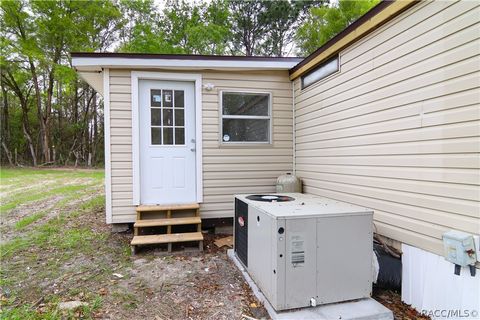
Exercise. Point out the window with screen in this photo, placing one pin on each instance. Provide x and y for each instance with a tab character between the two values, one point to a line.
167	114
246	117
320	72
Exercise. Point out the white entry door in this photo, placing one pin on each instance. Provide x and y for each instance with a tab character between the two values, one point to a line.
167	142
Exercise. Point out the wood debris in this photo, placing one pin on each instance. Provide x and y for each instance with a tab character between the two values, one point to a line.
227	241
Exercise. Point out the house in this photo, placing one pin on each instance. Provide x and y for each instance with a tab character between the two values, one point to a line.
386	115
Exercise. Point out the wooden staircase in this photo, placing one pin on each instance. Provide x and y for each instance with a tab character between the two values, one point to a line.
157	217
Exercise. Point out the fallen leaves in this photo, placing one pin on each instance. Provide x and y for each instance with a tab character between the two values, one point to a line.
226	241
103	291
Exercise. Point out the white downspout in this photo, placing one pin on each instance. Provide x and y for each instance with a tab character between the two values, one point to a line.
293	126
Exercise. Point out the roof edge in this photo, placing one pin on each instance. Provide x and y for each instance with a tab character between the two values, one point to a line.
180	56
370	21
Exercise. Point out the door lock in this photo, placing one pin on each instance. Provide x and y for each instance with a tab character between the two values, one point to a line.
192	149
192	141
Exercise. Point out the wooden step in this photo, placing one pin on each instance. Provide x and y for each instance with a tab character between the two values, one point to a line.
153	208
167	238
166	222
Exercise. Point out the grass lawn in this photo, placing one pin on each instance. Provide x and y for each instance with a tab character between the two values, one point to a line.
42	232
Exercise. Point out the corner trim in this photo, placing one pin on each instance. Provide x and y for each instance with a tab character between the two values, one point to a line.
108	164
141	75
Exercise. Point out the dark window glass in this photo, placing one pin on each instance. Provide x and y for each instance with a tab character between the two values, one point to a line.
168	117
179	136
179	117
179	99
155	113
167	135
251	130
156	135
250	104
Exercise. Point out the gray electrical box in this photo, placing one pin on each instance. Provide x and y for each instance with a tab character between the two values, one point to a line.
302	250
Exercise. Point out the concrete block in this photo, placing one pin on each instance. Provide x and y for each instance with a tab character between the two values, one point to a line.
120	227
363	309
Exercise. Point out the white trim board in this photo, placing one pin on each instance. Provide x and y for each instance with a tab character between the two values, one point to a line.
145	75
108	164
82	62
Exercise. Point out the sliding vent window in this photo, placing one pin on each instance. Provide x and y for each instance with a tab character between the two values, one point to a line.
320	72
246	117
167	117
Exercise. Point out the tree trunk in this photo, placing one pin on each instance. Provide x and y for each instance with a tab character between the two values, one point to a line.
7	153
26	129
30	146
41	119
5	135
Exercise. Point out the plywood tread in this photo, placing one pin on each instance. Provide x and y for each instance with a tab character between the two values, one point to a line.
166	222
187	206
167	238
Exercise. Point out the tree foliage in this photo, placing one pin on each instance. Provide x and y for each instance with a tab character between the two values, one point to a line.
49	115
60	114
324	22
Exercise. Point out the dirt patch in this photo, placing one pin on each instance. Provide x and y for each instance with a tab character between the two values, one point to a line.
206	286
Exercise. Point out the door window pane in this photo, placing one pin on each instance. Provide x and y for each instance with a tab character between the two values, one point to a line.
167	135
179	99
179	135
156	98
155	116
168	117
240	103
179	117
156	136
250	130
167	98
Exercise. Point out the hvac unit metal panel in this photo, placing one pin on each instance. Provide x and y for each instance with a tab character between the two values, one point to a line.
241	231
309	248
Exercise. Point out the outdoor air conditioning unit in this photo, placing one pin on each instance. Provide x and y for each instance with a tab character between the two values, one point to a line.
303	250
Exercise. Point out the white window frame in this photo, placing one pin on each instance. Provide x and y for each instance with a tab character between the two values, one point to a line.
268	117
318	68
161	126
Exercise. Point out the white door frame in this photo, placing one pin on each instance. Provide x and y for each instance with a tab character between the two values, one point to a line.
136	76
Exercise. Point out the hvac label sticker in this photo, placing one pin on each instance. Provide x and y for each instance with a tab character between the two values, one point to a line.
297	247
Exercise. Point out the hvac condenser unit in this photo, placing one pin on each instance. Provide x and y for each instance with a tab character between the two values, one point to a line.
303	250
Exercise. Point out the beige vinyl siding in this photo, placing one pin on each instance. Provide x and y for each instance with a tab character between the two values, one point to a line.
227	170
397	129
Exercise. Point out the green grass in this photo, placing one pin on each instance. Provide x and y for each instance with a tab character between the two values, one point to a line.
28	185
21	224
52	246
53	234
13	173
25	312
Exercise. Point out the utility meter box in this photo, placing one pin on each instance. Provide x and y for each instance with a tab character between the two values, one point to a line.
459	248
